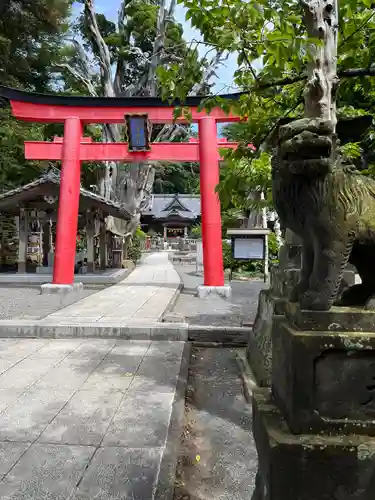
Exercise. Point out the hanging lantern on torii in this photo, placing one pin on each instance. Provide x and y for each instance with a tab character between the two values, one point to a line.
138	129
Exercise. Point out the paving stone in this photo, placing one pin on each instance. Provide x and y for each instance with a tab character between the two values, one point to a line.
142	420
70	373
25	419
9	396
121	474
25	373
84	420
144	294
46	472
9	455
58	348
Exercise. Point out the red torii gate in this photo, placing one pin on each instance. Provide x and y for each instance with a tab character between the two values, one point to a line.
73	148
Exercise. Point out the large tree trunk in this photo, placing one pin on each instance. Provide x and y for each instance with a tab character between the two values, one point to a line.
321	18
128	184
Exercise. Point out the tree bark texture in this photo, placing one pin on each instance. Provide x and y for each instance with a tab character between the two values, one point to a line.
321	18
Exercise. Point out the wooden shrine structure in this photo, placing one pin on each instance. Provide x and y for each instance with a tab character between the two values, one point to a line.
36	204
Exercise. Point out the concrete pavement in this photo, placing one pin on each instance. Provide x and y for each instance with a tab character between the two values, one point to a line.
90	419
132	308
142	297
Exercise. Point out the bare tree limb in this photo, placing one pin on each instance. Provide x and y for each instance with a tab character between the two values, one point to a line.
164	16
78	77
208	73
102	48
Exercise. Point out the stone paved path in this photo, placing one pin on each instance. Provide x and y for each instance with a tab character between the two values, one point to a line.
85	419
141	298
216	311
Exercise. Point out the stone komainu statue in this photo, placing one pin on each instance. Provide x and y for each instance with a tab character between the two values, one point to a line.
331	207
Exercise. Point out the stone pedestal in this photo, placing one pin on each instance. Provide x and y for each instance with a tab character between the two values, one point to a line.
204	291
271	302
315	429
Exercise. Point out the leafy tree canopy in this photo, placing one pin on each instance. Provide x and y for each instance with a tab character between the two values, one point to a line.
30	32
273	50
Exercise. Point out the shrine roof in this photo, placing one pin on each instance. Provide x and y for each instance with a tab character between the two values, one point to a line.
121	101
48	185
164	206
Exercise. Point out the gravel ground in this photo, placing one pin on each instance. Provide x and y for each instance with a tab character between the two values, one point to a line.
218	459
241	307
28	303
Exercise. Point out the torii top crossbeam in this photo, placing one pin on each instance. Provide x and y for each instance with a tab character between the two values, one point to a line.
48	108
75	111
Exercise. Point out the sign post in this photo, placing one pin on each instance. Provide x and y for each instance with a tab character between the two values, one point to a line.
250	244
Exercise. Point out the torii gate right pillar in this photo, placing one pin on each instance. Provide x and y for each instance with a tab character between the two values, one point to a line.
210	209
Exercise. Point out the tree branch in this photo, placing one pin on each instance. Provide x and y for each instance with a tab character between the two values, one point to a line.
164	16
78	76
345	73
102	48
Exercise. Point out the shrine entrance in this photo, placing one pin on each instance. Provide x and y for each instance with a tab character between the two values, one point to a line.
137	113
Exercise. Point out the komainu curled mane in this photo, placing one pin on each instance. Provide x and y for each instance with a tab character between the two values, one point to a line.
331	207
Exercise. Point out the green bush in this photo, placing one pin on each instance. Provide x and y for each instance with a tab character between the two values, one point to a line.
134	250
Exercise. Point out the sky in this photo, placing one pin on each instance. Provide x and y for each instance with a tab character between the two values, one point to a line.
223	84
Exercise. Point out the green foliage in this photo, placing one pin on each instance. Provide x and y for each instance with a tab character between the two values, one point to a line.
196	231
351	150
30	34
134	251
273	51
180	178
273	247
242	176
14	170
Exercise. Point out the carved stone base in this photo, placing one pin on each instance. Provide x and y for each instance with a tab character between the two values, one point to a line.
308	467
270	303
323	373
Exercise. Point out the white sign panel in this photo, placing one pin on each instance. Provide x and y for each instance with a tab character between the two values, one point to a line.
249	248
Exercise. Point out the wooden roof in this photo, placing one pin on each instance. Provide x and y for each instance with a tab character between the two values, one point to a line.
34	194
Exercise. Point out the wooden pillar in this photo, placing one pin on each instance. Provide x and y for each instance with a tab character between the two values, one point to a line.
90	233
165	232
210	204
47	241
103	243
67	217
23	237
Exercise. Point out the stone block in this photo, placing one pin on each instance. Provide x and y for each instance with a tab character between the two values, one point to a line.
10	454
142	420
204	291
128	264
308	467
121	474
172	317
52	289
340	319
46	472
324	381
84	420
27	417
